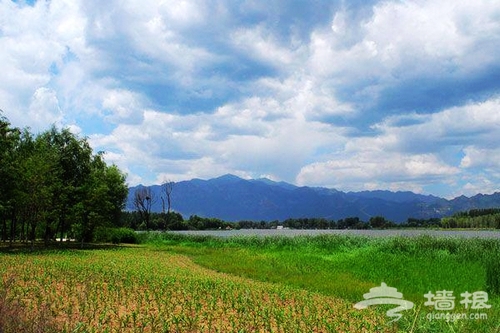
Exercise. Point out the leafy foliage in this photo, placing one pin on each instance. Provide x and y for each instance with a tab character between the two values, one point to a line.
52	185
115	235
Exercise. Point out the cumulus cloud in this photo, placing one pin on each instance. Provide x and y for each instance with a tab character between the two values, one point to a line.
26	55
417	55
415	149
476	157
236	138
124	106
387	170
378	94
262	45
44	108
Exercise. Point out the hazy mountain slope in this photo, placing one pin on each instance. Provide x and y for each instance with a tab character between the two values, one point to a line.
233	199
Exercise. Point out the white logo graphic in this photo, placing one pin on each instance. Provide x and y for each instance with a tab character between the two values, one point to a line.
385	295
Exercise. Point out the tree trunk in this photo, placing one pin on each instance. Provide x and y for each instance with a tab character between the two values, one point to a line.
33	234
61	229
4	229
21	234
62	220
47	233
12	228
84	228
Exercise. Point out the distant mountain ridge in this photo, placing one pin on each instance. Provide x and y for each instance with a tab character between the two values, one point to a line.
232	198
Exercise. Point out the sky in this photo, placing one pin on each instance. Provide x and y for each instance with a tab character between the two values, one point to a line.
352	95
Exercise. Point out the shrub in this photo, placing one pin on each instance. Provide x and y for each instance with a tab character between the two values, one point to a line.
124	235
116	236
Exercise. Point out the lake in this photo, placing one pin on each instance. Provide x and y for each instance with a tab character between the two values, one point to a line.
367	233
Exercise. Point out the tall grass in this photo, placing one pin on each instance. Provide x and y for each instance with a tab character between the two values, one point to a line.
347	267
493	274
179	283
319	242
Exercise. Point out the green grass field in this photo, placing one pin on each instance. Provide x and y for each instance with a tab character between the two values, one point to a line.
178	283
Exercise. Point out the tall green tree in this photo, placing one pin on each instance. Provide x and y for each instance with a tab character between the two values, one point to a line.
53	180
9	139
38	169
104	194
74	157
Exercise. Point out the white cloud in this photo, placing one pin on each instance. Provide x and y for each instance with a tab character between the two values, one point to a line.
434	37
262	45
204	168
151	35
44	109
125	106
483	182
470	124
414	153
305	95
35	41
235	139
267	98
477	157
358	170
404	41
425	30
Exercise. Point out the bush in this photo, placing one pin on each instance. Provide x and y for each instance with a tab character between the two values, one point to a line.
116	236
124	235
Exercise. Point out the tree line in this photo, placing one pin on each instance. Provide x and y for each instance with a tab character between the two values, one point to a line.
474	218
52	185
174	221
171	221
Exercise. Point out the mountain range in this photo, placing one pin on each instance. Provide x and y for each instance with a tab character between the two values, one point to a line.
231	198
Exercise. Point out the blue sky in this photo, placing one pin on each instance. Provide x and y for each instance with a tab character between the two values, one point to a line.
354	95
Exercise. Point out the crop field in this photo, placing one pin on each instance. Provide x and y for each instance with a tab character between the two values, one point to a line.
177	283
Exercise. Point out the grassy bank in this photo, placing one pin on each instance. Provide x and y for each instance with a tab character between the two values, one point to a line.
174	283
347	267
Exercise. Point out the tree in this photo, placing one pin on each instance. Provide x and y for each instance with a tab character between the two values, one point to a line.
167	188
117	193
166	195
9	140
143	201
350	223
104	194
73	157
378	222
39	179
53	180
174	221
